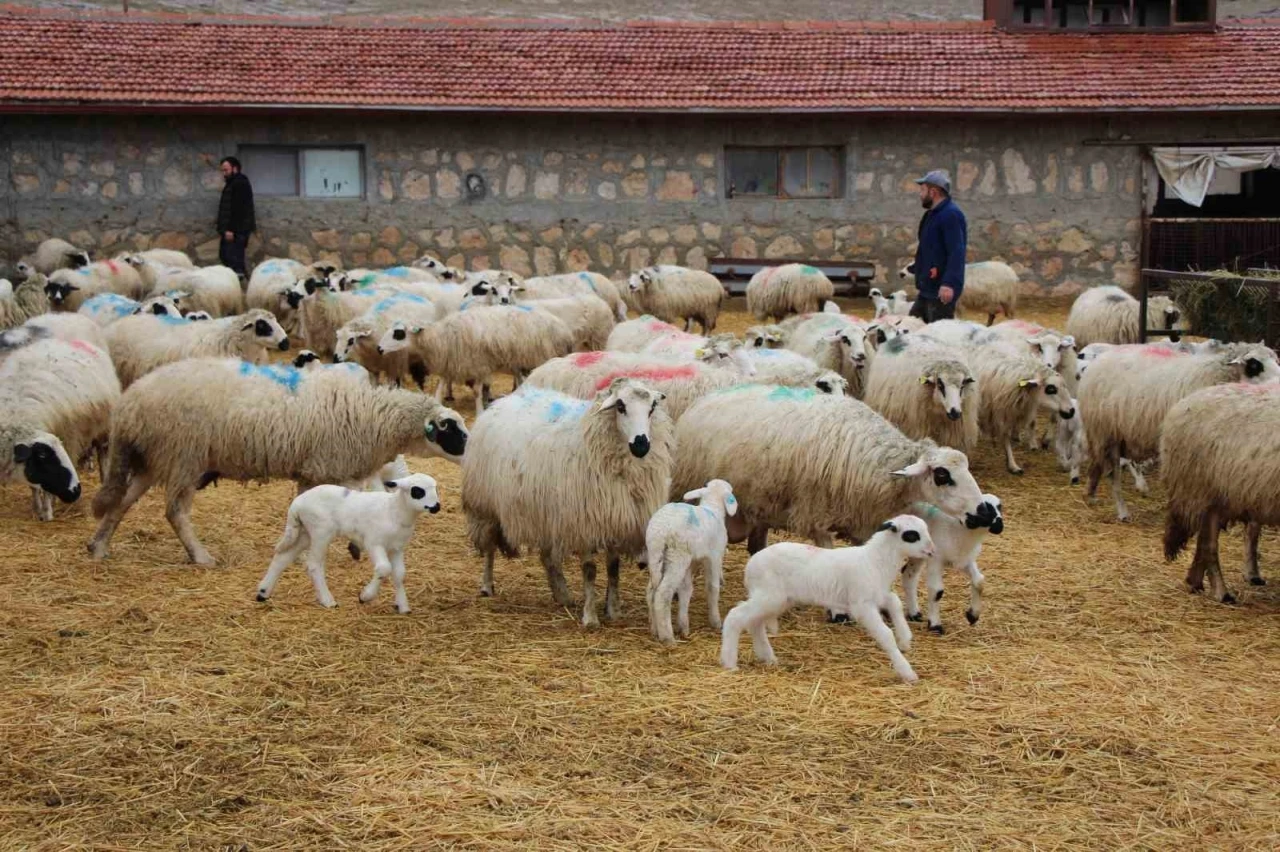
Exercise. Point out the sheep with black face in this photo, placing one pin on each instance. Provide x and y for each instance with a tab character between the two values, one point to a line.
1110	315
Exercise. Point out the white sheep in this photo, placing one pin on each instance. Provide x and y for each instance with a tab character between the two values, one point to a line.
380	522
322	309
1072	450
588	317
634	335
214	289
674	293
357	341
833	342
814	464
169	257
27	300
1220	453
56	399
1127	392
140	344
957	545
792	288
576	284
678	536
784	367
188	424
563	476
990	287
926	388
66	327
68	289
764	336
855	580
1110	315
52	255
106	308
269	282
722	350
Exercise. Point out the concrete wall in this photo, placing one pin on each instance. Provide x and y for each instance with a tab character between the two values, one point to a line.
612	194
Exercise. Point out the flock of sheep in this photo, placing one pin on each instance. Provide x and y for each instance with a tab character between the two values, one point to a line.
819	423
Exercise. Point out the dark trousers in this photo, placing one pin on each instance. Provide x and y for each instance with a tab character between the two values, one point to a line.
231	252
932	310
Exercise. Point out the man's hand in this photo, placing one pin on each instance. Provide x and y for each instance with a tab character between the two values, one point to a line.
228	236
946	294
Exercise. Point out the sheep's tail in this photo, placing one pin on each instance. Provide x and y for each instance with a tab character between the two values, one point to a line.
1176	534
122	461
292	532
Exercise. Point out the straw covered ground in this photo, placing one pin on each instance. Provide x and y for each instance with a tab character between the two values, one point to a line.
150	704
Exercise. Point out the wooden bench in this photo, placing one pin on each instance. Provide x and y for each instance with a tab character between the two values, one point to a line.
850	277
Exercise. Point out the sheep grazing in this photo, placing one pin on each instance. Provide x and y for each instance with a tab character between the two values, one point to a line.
857	580
1127	392
56	399
957	545
833	342
52	255
140	344
673	293
564	476
784	367
213	289
27	300
634	335
188	424
926	389
678	536
1110	315
68	289
792	288
380	522
1219	456
814	464
106	308
765	336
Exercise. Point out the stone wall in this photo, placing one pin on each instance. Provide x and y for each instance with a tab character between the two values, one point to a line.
606	193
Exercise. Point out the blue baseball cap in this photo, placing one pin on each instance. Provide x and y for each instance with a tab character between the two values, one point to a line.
938	178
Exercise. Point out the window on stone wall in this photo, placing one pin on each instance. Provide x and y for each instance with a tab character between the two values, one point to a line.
1102	14
292	170
789	172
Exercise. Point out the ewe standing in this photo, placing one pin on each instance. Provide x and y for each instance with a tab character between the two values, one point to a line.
776	292
673	293
1110	315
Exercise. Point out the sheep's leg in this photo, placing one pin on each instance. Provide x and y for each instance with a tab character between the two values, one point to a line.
178	514
771	626
381	570
898	621
1095	476
742	617
612	599
589	617
486	580
758	539
869	617
102	452
1217	586
688	324
440	396
712	579
685	591
1117	481
651	600
1010	463
823	539
315	570
448	394
107	526
287	553
41	504
1139	481
1195	574
933	588
911	588
976	581
990	319
397	579
555	579
1252	575
479	401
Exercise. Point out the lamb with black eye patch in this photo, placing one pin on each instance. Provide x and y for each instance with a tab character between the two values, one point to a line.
381	522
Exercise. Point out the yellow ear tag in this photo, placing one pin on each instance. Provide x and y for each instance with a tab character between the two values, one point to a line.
699	353
1023	383
924	380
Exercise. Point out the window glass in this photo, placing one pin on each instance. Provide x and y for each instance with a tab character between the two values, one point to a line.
272	171
823	172
795	173
331	173
1193	11
753	171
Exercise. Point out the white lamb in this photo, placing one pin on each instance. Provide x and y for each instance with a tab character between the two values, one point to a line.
679	535
380	522
1072	450
856	580
956	545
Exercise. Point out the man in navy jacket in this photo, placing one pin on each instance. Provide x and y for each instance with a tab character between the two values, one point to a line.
940	256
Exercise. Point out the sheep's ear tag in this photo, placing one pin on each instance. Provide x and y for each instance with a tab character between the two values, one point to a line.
1029	383
700	352
924	380
431	431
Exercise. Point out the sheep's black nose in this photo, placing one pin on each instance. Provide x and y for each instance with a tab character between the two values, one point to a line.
953	414
381	351
997	526
72	495
336	359
1067	415
434	509
640	446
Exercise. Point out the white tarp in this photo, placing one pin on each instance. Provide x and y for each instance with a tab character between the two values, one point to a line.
1187	172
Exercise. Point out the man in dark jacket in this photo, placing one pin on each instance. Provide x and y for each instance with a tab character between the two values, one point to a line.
940	256
235	216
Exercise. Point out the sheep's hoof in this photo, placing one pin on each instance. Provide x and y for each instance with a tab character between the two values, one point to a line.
1228	599
915	617
971	616
486	593
1125	518
262	597
1075	480
1016	471
1195	588
937	628
354	550
837	617
404	611
1257	581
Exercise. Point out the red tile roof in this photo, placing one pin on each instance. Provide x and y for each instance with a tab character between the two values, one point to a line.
83	62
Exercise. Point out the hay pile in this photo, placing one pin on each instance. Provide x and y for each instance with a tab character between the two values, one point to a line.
147	703
1225	308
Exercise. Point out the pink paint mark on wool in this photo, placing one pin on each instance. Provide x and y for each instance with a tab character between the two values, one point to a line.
651	374
113	266
1266	389
587	359
659	325
1024	326
1158	352
85	346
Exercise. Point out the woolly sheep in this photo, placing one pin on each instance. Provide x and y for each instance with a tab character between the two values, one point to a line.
67	327
879	304
140	344
833	342
474	344
446	296
634	335
1218	473
1072	450
1110	315
722	350
214	289
564	476
814	464
321	311
1127	392
926	389
28	300
678	536
784	367
957	545
188	424
169	257
792	288
106	308
68	289
1052	348
1013	388
380	522
268	284
588	318
357	341
52	255
155	273
56	399
577	284
857	580
6	289
440	270
990	287
1090	353
673	293
764	336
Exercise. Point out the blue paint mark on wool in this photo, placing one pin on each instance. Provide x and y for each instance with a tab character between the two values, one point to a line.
287	377
555	406
113	303
84	270
893	347
170	319
384	305
766	353
780	394
586	276
272	266
730	501
397	272
691	516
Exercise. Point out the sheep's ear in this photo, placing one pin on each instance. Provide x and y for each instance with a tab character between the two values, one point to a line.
517	287
480	289
1029	383
659	396
695	494
731	504
887	525
610	400
1068	342
21	452
389	485
918	469
927	380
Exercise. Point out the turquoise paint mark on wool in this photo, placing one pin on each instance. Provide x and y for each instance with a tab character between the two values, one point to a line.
730	501
809	270
691	516
170	319
384	305
780	394
766	353
287	377
586	276
556	406
397	272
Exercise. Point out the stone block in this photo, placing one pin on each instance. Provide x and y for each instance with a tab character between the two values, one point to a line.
784	246
636	258
457	261
552	159
103	168
26	184
82	238
110	190
685	235
177	181
300	253
1051	268
207	251
635	184
360	241
577	260
709	187
546	185
607	190
448	184
515	259
429	156
577	184
696	258
864	181
408	253
172	240
637	162
677	186
743	247
444	239
592	231
89	188
481	262
1050	180
326	239
472	239
667	256
886	184
824	239
1075	179
987	186
156	155
61	187
381	257
706	160
415	185
658	235
611	167
629	237
465	160
1073	241
966	175
517	179
491	160
71	163
1017	174
387	189
389	236
604	251
1098	177
711	230
130	152
544	260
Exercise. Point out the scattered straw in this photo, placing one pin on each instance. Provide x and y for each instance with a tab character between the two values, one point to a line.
147	703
